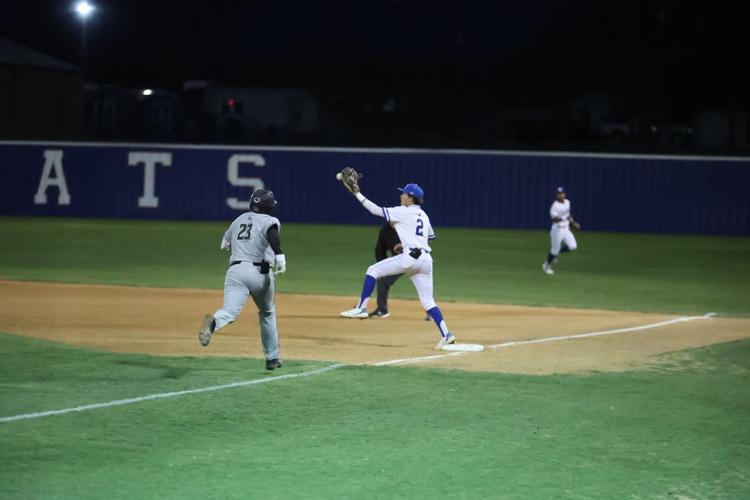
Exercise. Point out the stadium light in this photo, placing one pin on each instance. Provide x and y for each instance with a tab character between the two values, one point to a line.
84	9
147	92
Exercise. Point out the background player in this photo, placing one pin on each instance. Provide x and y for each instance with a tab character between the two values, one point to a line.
561	237
414	229
255	243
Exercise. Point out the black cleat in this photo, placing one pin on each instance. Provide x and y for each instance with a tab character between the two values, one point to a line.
379	313
272	364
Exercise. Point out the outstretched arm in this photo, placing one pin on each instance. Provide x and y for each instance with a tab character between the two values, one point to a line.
370	206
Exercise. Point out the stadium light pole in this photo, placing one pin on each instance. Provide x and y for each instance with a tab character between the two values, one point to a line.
84	10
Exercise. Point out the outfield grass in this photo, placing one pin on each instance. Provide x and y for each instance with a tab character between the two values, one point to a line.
680	274
371	432
679	431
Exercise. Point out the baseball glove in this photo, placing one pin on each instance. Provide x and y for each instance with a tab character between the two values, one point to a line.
350	179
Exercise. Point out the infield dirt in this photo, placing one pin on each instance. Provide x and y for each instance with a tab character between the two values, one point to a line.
162	321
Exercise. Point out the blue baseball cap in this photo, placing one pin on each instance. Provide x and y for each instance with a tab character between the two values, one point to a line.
414	190
560	189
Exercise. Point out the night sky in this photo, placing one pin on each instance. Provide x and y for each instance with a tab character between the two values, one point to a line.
534	52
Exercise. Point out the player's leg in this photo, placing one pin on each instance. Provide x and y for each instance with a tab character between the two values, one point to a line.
555	236
235	296
386	267
262	290
569	242
384	286
423	283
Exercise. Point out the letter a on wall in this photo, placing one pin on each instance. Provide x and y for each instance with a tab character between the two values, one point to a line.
52	164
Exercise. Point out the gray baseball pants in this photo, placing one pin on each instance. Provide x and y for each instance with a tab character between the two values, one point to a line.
245	279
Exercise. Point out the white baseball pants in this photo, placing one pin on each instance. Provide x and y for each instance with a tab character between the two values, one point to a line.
418	270
559	235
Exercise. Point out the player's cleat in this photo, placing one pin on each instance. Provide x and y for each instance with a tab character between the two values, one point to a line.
427	317
547	268
379	313
448	339
207	329
272	364
354	313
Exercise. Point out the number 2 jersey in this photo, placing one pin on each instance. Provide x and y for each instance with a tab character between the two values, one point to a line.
247	236
412	225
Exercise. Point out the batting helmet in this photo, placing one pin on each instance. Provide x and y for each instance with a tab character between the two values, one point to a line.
262	202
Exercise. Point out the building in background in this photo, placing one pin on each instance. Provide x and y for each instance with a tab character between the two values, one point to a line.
143	114
41	97
221	112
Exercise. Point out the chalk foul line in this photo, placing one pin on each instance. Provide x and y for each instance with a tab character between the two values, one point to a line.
163	395
503	345
318	371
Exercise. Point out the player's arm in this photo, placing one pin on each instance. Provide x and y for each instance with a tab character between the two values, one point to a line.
226	240
573	222
274	240
554	214
371	207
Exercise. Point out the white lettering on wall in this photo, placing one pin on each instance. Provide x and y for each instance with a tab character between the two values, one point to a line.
149	160
233	175
52	163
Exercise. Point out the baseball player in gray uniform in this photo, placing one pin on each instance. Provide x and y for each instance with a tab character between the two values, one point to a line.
255	244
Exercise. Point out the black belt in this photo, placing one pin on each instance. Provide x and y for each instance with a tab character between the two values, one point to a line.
415	253
264	266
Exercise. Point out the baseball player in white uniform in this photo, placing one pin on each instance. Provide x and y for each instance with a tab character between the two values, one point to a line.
561	237
414	230
255	244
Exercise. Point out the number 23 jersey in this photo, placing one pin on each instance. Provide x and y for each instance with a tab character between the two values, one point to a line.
247	235
412	225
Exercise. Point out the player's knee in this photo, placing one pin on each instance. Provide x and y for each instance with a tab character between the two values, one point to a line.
572	246
372	271
427	304
266	313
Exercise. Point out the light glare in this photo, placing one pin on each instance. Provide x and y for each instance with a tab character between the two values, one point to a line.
147	92
84	9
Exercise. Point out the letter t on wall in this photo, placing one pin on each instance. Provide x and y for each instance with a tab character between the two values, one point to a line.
150	160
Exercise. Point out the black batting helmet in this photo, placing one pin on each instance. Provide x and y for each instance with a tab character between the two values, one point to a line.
262	202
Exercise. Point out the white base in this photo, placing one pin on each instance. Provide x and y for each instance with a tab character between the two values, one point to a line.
463	347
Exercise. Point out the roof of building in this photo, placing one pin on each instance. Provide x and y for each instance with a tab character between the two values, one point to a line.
15	54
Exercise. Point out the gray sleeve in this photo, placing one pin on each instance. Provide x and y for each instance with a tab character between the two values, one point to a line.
266	222
226	240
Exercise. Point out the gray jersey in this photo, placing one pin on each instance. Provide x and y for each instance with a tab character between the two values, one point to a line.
247	236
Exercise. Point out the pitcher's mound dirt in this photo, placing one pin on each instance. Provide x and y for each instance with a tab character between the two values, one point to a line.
164	321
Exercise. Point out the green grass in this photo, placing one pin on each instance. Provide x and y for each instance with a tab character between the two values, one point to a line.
675	432
680	274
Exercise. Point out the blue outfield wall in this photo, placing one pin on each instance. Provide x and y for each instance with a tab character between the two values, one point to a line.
463	188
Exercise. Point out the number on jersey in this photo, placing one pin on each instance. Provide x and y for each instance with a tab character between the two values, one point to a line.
420	226
244	233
